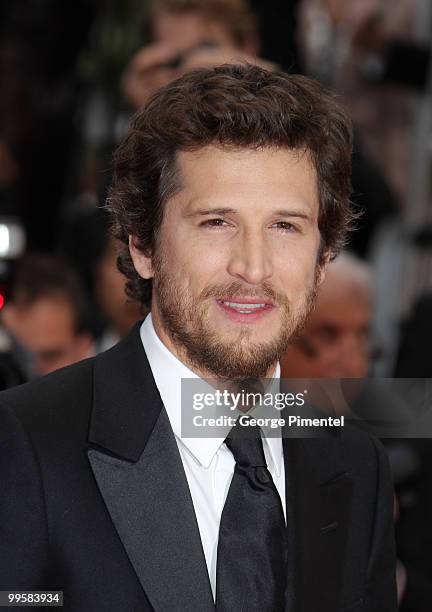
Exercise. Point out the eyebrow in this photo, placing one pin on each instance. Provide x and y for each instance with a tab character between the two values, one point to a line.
211	211
293	213
225	211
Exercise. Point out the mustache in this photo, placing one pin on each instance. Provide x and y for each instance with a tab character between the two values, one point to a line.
238	289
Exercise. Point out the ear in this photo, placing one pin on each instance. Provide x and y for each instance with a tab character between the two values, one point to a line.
142	263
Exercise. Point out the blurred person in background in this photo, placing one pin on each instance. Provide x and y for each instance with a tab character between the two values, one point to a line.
333	35
179	28
47	314
337	343
336	340
390	57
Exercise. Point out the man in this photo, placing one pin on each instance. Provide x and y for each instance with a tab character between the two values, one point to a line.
231	192
336	341
48	314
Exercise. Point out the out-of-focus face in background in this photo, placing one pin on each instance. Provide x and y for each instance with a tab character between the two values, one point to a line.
46	329
335	342
187	37
47	315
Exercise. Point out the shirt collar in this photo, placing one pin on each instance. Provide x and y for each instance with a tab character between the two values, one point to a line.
168	372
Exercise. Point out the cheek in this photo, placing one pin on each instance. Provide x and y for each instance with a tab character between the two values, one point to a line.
296	275
296	262
198	266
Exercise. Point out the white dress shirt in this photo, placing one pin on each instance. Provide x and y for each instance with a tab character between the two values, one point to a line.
208	464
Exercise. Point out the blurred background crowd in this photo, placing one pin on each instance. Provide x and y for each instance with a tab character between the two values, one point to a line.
71	76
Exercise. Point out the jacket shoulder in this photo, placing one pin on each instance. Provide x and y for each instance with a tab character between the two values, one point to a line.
52	398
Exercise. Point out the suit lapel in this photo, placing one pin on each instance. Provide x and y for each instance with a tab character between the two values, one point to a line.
138	469
318	496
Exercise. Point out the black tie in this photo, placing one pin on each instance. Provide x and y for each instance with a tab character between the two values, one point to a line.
251	567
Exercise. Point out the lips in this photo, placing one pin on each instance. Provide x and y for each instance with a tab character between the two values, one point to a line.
245	306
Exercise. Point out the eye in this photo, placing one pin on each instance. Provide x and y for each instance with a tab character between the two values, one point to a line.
214	223
285	226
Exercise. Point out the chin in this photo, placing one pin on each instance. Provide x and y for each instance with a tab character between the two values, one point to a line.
246	336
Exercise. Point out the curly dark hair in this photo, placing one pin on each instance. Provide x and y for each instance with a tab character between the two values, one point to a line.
235	106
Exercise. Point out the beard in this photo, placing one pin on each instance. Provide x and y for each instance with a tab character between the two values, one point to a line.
187	321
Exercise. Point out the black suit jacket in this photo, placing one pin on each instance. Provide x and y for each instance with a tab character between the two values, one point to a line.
95	502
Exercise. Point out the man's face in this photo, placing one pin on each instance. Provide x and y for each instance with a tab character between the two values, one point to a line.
235	269
46	330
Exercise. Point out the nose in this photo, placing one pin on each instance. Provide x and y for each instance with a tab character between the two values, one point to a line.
250	258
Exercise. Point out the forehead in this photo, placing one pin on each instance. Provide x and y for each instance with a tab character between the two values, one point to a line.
266	176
